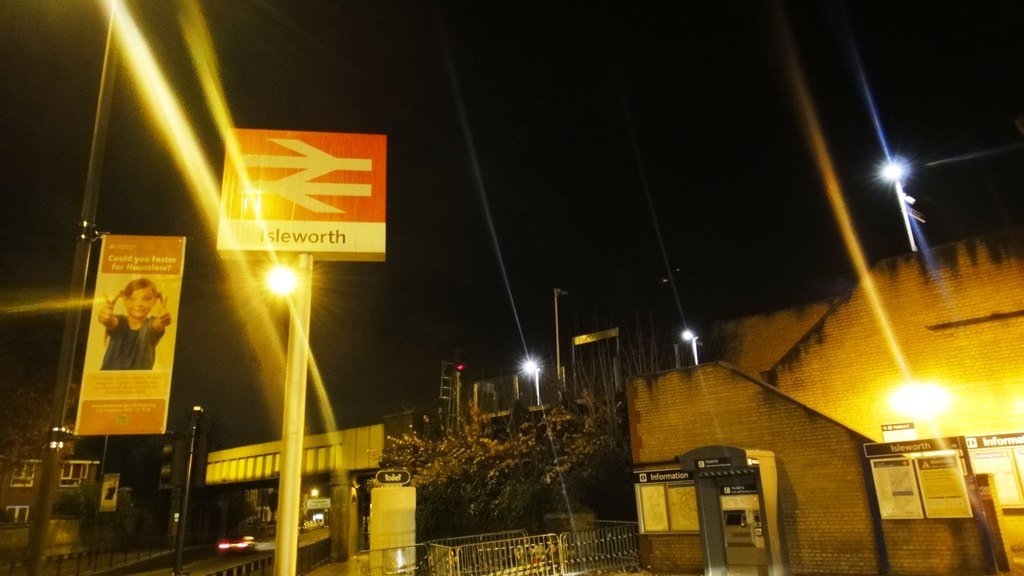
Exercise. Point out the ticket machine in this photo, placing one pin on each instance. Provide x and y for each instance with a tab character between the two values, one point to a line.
737	505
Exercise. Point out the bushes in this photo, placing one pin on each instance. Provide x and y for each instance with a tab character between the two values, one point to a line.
502	474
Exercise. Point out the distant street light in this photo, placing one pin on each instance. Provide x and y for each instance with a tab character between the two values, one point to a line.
531	366
689	336
893	171
559	374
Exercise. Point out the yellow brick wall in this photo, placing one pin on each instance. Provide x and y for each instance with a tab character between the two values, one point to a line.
848	368
675	554
755	343
824	503
823	507
957	324
952	319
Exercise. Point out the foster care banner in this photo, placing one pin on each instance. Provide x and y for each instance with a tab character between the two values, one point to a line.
126	381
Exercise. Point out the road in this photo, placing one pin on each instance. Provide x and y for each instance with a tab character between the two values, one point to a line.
214	563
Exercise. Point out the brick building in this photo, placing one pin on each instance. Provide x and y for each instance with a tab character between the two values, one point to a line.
929	346
19	484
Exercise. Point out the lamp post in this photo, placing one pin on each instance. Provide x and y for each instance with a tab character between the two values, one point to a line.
44	500
893	172
689	336
179	546
293	427
532	367
559	374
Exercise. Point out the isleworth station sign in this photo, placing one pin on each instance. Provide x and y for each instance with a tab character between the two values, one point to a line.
318	193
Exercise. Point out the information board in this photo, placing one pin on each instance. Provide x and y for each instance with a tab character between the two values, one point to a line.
942	486
896	488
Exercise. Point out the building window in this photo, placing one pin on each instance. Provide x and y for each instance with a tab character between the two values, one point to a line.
16	514
23	475
72	474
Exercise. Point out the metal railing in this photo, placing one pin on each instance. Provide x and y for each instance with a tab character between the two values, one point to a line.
613	546
608	546
475	538
529	555
310	556
415	559
89	561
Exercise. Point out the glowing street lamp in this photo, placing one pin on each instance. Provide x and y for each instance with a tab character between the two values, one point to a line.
922	400
689	336
531	366
281	280
893	171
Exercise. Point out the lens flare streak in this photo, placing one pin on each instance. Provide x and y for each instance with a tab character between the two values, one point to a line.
188	154
819	148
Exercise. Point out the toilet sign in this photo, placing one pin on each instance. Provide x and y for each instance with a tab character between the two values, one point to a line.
393	477
320	193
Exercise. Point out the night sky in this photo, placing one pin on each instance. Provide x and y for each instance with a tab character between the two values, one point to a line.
646	157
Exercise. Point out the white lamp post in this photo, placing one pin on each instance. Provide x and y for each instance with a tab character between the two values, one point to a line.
293	427
893	172
689	336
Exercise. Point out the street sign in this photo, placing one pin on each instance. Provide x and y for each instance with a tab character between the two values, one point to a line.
313	192
669	475
899	431
317	503
394	477
875	450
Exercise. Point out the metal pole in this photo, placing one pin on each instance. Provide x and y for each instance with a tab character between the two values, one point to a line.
693	343
42	508
457	401
536	380
558	344
103	461
293	428
179	548
902	197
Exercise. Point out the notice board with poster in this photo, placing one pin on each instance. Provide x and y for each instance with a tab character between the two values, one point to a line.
666	501
943	488
1002	456
126	381
920	478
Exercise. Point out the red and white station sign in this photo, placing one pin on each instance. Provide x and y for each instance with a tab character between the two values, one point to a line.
314	192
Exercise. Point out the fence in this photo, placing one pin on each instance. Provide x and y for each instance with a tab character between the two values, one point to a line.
529	555
609	546
477	538
415	559
87	561
615	546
